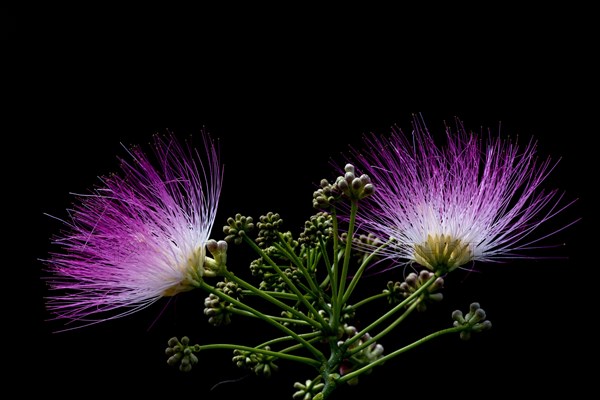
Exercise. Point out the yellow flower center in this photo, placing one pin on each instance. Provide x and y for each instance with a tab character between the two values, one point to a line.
442	253
193	269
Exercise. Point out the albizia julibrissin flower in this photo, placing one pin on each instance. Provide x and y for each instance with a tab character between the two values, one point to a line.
444	207
139	235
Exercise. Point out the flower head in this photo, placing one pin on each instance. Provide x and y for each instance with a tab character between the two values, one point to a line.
139	235
447	206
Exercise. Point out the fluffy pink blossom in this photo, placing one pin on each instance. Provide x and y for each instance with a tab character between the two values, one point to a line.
139	235
473	200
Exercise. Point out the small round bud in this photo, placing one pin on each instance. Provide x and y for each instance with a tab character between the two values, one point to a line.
411	279
185	367
457	315
483	326
478	316
212	245
436	297
174	359
368	190
474	321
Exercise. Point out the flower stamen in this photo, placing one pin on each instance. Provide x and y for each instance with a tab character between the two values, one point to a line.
442	253
194	270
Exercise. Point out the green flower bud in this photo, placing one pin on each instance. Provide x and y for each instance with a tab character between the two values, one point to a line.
474	321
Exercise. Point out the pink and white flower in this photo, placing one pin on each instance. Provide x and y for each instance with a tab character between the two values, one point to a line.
448	206
138	236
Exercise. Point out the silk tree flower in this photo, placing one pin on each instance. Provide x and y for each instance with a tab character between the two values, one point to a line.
138	236
448	206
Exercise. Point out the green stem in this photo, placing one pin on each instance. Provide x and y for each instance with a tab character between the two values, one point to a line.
289	253
295	347
262	316
316	291
387	357
280	295
244	313
330	274
387	330
287	356
321	322
260	293
369	299
336	261
312	258
310	336
394	310
347	254
361	269
340	278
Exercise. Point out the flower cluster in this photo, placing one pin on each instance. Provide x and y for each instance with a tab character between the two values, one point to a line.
446	207
147	233
138	236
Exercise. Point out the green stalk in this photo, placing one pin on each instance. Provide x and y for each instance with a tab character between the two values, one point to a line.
278	319
360	271
287	356
264	295
336	261
281	295
396	353
310	336
394	310
387	330
330	273
369	299
262	316
347	254
321	322
289	253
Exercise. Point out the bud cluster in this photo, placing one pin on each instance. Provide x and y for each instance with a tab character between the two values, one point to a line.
349	185
365	356
268	227
219	310
237	227
180	352
318	226
353	187
327	195
474	321
398	291
261	364
307	390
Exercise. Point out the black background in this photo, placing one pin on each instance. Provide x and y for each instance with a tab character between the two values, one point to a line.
281	107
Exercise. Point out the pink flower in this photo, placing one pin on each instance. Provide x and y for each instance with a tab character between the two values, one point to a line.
447	206
138	236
